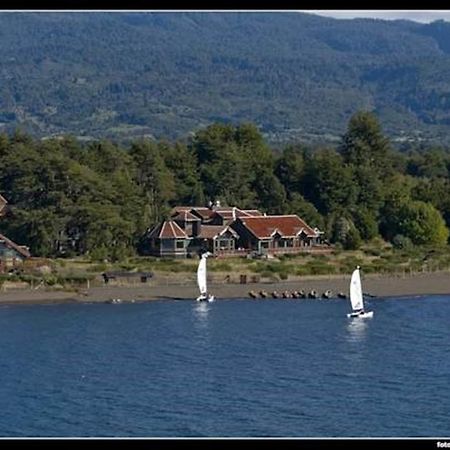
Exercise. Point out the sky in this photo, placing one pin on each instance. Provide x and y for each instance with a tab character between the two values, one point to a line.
424	16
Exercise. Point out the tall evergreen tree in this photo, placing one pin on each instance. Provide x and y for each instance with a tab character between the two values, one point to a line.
364	143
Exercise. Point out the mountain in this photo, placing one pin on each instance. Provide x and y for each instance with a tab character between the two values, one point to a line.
297	76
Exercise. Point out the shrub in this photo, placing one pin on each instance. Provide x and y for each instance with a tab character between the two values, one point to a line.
302	270
98	268
402	242
283	275
352	240
373	251
221	267
269	275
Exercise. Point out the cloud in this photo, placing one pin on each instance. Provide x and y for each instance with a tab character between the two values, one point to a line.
416	15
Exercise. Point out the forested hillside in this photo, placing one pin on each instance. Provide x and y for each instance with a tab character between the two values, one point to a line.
296	76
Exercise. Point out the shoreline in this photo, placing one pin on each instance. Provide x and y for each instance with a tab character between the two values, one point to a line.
375	285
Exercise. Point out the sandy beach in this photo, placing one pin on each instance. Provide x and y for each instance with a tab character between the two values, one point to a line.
374	285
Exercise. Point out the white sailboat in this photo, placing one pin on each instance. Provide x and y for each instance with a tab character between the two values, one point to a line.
356	297
201	280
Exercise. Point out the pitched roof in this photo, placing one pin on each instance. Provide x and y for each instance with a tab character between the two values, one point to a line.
203	212
185	215
3	203
18	248
167	230
252	212
229	213
287	226
212	231
178	209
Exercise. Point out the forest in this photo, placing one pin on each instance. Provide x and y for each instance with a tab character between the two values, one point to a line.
98	199
165	75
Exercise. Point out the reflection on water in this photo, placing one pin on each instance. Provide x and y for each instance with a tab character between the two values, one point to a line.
201	310
357	329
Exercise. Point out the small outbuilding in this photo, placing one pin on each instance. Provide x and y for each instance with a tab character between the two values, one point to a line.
11	254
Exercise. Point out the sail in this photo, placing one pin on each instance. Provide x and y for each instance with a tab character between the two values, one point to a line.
201	275
356	297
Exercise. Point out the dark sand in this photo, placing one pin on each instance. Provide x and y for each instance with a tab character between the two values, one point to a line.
375	285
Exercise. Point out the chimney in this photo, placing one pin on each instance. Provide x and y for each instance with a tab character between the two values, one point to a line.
196	228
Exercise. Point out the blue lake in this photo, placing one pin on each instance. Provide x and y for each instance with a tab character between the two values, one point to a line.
233	368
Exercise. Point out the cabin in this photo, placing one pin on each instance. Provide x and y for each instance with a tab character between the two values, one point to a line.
231	231
276	234
203	213
215	214
11	254
187	221
215	239
207	228
226	216
167	239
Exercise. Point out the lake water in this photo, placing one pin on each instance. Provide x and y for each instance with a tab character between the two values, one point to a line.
233	368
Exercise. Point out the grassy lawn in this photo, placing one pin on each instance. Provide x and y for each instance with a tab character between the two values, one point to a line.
376	257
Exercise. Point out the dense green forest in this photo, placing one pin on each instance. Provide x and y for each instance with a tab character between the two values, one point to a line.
298	77
70	198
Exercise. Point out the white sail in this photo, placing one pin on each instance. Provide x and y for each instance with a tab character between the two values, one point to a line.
201	274
356	297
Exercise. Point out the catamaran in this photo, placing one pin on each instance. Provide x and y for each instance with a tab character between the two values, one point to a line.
356	297
201	280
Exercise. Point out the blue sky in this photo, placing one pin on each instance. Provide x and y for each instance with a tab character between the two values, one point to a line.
424	16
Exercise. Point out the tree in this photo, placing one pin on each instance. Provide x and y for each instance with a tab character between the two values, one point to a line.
422	223
365	222
224	172
270	193
236	166
369	186
290	169
329	184
306	210
364	143
182	162
343	230
430	164
154	178
397	192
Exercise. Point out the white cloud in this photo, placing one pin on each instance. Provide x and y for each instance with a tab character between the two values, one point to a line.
415	15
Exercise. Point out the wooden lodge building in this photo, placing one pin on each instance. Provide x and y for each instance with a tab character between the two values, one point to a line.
11	254
230	231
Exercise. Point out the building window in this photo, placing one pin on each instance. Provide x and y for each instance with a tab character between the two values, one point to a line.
224	244
180	244
166	244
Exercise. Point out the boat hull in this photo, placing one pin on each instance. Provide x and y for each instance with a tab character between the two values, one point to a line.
209	298
365	315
